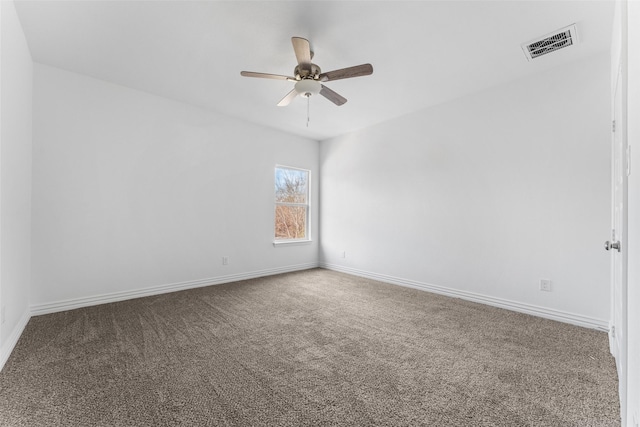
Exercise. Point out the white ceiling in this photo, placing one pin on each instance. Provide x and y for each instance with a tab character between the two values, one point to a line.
423	52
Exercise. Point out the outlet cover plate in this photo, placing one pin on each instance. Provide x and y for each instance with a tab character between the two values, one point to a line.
545	285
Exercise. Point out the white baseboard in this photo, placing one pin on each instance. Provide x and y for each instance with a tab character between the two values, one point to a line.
12	340
547	313
70	304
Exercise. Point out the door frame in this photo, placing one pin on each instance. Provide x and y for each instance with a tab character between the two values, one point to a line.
620	168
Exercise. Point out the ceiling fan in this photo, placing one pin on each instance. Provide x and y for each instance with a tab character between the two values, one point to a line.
308	76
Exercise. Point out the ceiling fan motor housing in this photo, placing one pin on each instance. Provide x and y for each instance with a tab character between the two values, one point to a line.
307	71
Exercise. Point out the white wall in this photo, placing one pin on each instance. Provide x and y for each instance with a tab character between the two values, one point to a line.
133	191
483	196
16	70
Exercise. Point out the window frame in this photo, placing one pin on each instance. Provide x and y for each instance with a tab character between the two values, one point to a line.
307	206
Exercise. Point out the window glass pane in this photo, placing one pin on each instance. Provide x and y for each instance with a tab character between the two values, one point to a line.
291	185
291	222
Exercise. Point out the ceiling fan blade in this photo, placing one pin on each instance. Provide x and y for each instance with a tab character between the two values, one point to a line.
267	76
288	98
302	49
347	73
332	96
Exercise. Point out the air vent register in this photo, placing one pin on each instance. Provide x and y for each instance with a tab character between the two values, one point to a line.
557	40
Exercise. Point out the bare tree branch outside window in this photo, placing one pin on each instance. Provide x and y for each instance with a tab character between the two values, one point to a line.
292	203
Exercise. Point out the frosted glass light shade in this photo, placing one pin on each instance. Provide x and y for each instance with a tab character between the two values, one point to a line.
308	87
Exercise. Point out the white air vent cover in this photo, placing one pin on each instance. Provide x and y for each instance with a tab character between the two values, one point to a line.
564	37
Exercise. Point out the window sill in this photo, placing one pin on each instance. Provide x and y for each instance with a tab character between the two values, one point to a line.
277	243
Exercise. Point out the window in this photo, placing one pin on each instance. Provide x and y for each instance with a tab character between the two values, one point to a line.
292	204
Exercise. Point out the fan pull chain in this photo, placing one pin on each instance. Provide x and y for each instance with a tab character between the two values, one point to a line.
308	103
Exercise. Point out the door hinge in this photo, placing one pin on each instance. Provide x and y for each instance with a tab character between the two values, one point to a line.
613	331
613	125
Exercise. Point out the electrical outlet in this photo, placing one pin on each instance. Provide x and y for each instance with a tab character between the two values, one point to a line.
545	285
225	260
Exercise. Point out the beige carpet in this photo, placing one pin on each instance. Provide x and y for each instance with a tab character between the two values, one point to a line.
313	348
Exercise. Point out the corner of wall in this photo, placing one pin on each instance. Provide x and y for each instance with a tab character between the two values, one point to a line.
16	76
9	344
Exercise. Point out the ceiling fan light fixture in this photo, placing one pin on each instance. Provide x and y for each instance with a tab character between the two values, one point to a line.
308	77
308	87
